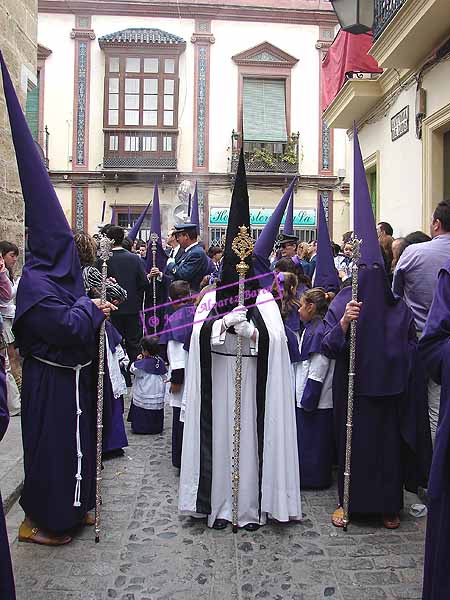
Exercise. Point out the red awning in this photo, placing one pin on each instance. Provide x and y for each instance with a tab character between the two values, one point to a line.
347	54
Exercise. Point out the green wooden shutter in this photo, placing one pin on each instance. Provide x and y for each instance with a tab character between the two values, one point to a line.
373	191
264	110
32	110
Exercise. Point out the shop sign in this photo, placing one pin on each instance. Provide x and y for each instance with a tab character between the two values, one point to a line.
306	217
400	124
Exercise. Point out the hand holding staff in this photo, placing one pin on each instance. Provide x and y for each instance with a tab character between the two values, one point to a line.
242	246
154	241
353	310
104	252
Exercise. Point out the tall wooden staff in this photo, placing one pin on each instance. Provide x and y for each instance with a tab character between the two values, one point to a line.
154	240
242	246
356	255
104	252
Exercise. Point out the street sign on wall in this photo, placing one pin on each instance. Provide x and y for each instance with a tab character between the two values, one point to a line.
306	217
400	124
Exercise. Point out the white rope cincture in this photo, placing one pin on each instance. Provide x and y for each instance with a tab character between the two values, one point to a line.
77	369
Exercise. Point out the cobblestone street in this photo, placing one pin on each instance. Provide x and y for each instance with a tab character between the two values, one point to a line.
147	552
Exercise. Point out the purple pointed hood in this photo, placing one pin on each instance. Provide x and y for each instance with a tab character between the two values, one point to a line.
134	231
265	243
288	228
325	275
364	220
195	218
53	267
155	227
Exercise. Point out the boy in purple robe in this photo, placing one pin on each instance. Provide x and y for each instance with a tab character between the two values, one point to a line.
56	328
178	330
435	349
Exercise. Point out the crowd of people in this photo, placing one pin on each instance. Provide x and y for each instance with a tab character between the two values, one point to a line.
255	368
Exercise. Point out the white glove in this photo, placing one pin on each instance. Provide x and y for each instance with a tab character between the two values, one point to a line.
237	315
245	329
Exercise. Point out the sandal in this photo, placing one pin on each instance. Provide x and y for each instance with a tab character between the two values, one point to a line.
391	521
337	518
34	535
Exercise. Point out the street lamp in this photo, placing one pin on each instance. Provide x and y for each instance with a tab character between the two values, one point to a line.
354	16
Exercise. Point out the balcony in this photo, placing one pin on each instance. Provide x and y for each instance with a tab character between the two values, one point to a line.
407	31
266	157
354	100
140	149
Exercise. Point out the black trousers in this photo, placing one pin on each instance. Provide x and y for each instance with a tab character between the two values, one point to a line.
130	328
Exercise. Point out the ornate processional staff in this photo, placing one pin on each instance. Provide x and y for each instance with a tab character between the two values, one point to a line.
104	252
356	255
154	240
242	246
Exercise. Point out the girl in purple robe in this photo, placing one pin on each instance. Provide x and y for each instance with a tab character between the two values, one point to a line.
313	382
147	407
177	330
284	289
435	349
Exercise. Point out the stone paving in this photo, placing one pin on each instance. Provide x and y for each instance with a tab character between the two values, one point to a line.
148	552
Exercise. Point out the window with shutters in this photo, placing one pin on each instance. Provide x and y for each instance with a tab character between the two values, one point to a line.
32	108
263	128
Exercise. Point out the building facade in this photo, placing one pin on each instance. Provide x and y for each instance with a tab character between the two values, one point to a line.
403	114
18	35
131	93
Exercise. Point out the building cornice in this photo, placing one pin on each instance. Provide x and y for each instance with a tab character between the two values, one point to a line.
308	12
138	177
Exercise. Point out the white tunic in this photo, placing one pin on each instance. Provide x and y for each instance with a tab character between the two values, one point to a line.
148	389
319	368
177	357
280	477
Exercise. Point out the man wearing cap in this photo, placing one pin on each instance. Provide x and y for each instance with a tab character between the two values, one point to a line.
288	246
193	265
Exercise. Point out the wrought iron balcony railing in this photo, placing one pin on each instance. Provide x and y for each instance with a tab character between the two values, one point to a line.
266	157
384	11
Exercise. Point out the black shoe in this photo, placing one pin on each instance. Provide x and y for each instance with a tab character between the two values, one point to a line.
220	524
252	527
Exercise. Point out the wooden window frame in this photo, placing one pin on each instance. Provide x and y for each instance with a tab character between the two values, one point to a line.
122	75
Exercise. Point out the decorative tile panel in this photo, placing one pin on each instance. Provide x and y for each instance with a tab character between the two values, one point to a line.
79	209
81	101
202	68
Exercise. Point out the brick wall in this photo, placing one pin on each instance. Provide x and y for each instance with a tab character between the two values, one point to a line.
18	42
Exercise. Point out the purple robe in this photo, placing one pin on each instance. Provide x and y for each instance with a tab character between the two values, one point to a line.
66	334
7	591
315	437
179	329
435	350
377	466
114	434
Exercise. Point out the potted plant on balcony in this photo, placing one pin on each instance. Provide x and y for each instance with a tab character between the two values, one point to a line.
290	153
261	155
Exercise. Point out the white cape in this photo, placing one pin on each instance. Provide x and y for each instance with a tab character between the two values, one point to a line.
280	476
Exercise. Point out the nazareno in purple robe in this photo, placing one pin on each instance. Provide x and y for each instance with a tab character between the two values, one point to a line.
66	334
384	342
179	329
114	434
315	437
7	590
434	347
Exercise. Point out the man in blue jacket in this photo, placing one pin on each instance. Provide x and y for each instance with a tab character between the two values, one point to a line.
193	265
